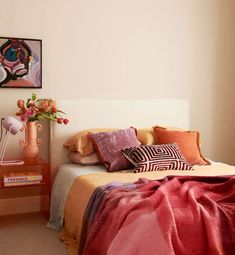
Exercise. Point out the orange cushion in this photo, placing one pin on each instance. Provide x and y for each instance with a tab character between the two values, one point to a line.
188	142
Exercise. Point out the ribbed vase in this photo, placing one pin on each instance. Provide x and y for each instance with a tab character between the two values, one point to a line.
31	142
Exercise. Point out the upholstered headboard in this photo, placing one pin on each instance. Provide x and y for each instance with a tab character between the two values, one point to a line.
113	113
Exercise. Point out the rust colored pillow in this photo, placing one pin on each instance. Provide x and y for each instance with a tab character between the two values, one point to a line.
188	141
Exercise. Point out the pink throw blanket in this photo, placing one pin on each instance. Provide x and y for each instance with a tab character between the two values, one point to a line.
177	215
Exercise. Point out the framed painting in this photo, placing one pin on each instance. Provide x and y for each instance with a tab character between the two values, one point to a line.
20	63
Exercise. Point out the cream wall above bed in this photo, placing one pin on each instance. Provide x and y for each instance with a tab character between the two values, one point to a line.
132	49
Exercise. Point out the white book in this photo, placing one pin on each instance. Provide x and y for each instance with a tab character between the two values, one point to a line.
22	177
12	184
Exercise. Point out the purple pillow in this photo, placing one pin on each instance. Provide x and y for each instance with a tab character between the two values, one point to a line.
109	145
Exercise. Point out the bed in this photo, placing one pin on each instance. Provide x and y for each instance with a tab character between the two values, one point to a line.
82	195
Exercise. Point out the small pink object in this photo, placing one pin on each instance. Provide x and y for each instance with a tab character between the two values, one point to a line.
65	121
53	109
29	113
23	118
20	103
59	120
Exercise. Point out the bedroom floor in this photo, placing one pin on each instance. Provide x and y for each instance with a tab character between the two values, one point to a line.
27	234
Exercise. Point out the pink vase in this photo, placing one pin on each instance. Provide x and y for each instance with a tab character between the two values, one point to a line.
31	143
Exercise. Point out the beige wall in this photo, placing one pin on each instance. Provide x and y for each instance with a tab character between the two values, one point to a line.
135	49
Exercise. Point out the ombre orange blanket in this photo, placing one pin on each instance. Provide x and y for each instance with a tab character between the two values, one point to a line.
176	215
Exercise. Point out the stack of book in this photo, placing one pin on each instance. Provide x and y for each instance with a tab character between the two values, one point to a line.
21	178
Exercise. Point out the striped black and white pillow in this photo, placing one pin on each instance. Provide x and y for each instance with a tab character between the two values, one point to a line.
156	157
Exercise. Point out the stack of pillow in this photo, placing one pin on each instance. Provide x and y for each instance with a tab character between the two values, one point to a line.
142	150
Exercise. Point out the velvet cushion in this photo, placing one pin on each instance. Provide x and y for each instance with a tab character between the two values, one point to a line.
156	157
109	145
188	142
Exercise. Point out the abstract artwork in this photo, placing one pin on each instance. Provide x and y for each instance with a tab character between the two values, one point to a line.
20	63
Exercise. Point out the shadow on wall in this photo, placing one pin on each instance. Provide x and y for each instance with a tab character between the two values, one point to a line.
213	77
223	101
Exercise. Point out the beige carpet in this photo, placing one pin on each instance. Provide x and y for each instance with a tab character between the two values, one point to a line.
27	234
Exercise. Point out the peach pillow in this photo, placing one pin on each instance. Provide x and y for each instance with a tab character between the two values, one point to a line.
188	141
76	158
145	136
82	144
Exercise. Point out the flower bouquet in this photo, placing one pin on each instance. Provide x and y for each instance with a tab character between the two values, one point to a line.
37	109
30	112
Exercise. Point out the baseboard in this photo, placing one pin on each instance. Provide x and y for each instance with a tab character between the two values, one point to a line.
22	205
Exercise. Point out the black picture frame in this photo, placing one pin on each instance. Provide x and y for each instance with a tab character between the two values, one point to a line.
20	63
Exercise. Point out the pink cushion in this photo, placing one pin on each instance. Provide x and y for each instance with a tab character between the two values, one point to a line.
109	145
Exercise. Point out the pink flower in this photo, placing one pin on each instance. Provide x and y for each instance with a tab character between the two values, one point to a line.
20	103
53	109
23	118
65	121
44	106
29	113
60	120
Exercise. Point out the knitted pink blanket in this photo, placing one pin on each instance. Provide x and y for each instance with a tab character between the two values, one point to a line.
176	215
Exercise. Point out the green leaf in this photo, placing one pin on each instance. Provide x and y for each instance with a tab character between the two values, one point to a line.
61	111
34	96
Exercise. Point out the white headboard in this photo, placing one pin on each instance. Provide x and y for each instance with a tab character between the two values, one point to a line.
113	113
